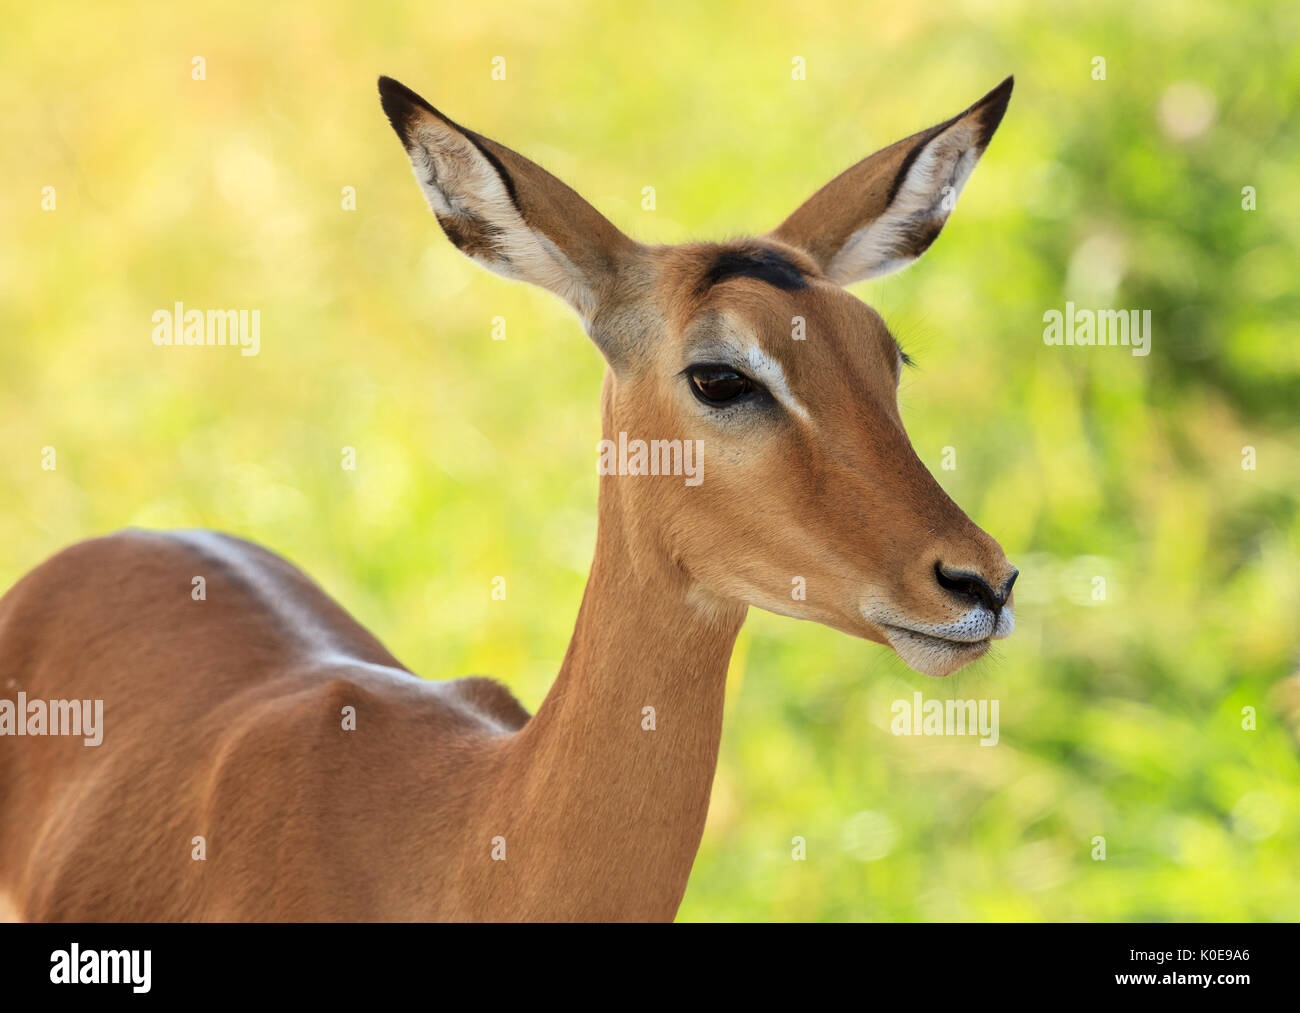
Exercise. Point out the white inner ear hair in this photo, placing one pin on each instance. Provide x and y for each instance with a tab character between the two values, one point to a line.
473	206
917	213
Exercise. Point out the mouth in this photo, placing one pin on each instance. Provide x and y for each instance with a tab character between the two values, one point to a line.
910	644
934	654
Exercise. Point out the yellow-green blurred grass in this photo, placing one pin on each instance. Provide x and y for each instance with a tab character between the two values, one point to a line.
1120	718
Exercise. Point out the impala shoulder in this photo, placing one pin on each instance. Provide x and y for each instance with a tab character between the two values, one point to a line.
490	698
388	704
295	724
473	706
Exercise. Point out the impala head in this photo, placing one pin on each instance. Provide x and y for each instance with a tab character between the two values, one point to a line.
812	502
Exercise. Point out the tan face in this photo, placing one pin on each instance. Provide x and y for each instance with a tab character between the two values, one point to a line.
810	501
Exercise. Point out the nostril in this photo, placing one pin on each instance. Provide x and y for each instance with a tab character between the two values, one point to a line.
971	586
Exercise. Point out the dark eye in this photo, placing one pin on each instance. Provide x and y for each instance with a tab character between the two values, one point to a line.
719	385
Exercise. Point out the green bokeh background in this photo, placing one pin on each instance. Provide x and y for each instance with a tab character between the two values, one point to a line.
1120	718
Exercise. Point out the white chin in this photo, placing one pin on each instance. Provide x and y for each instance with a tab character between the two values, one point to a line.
933	655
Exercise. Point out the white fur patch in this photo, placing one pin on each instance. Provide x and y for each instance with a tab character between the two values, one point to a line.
940	649
463	186
746	354
767	371
927	196
977	624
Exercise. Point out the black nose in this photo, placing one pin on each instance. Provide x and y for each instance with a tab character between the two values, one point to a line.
974	587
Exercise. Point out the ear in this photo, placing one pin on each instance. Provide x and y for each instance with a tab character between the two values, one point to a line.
502	210
884	212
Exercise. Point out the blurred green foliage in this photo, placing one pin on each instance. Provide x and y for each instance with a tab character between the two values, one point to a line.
1120	718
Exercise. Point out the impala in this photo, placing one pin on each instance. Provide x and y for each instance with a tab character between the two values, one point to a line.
231	783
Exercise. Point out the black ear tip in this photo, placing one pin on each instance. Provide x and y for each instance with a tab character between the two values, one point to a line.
994	106
400	104
1001	95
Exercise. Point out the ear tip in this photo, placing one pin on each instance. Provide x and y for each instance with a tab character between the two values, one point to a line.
400	104
1000	95
992	108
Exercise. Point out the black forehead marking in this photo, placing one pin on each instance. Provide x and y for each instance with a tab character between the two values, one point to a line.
759	262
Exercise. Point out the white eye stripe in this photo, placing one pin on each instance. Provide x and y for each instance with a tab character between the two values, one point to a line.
762	368
768	372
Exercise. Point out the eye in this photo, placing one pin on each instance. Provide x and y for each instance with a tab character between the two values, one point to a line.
719	385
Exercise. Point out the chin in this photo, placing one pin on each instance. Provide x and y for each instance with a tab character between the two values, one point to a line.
935	656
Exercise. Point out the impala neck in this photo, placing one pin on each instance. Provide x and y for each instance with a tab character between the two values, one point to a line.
625	790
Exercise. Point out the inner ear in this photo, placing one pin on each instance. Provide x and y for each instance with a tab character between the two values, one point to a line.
922	197
885	211
506	212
